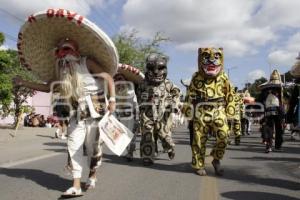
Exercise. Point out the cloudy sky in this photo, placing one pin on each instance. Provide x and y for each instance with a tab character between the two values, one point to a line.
257	35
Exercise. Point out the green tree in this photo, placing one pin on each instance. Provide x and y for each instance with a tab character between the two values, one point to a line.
9	68
253	87
133	50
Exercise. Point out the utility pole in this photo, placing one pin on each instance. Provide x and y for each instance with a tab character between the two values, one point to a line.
230	68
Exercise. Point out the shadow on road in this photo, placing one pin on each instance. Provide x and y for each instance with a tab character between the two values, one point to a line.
283	159
137	162
239	174
248	195
44	179
62	144
46	136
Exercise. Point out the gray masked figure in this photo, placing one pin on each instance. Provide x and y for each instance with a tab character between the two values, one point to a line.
158	97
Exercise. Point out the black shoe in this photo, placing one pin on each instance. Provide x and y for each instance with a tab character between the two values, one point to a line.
129	157
217	166
147	162
171	154
268	150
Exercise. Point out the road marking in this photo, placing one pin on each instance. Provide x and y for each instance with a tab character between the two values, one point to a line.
28	160
209	186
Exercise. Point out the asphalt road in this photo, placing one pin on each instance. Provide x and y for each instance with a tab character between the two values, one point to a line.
32	168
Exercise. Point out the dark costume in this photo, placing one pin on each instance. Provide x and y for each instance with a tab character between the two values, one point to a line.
158	97
293	113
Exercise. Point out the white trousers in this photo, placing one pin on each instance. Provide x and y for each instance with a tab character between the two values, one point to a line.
86	133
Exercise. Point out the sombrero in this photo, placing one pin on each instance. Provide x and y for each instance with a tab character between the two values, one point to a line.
295	70
274	82
42	31
131	73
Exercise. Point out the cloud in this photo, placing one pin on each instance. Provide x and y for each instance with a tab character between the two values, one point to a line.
194	23
4	47
286	54
279	14
21	9
256	74
282	58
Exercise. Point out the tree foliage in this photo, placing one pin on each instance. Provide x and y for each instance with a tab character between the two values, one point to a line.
253	87
9	68
133	50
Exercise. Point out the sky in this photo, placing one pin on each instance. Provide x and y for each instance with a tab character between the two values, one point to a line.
257	36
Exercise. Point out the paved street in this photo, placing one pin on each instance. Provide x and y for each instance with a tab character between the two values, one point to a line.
32	167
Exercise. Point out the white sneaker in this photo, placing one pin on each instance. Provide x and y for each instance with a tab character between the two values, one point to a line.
63	137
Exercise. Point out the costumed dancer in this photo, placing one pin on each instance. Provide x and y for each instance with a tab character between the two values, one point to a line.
235	123
73	56
245	122
158	97
190	122
127	110
210	103
271	96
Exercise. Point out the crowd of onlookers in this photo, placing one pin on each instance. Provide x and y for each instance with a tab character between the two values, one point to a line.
38	120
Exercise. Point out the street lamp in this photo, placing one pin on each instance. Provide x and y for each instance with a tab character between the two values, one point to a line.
230	68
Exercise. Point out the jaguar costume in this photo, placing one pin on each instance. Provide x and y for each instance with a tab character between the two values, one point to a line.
235	123
210	101
158	97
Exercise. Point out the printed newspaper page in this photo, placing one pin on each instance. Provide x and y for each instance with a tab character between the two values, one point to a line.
114	134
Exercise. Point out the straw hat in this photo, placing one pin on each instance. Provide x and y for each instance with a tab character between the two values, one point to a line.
131	73
40	34
295	70
275	81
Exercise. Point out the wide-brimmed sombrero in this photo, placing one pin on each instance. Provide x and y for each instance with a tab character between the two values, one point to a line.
131	73
42	31
274	82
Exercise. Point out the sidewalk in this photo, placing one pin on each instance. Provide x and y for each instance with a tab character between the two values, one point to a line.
29	143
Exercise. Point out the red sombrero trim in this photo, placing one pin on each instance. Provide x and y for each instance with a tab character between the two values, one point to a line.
129	68
71	16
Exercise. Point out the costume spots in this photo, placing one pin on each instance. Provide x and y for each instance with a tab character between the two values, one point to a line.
156	104
235	122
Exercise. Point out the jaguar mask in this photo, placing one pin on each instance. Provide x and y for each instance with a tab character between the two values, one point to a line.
210	61
156	68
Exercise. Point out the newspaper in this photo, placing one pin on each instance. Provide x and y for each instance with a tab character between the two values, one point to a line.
115	135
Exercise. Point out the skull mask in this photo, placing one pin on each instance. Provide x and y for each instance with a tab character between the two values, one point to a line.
156	68
210	61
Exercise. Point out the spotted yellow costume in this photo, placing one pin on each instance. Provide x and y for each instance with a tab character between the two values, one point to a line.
235	122
210	100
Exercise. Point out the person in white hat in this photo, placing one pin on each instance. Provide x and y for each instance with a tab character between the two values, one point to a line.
77	69
271	96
